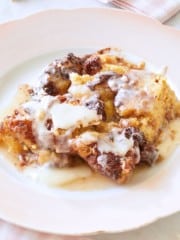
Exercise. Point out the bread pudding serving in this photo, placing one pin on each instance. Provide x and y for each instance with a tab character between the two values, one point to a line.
99	109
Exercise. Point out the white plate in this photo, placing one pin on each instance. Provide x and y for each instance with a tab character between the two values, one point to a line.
26	46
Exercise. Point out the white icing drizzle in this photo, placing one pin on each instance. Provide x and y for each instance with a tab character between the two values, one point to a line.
102	160
116	83
88	137
63	116
79	91
125	100
67	115
38	113
132	87
35	106
116	143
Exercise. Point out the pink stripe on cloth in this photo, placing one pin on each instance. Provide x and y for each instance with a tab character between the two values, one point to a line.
159	9
12	232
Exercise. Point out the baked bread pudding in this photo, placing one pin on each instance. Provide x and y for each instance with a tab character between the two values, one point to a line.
99	109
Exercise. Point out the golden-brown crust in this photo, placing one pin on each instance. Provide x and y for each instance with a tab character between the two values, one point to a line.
17	133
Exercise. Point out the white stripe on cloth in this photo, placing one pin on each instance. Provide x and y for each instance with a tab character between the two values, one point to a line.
159	9
12	232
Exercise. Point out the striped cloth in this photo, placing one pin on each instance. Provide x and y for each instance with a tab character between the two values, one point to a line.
11	232
159	9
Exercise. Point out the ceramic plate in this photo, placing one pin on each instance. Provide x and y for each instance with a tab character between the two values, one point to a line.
26	46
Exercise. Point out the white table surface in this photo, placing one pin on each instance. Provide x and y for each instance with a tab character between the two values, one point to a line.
164	229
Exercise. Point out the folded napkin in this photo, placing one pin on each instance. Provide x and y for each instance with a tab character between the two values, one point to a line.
159	9
11	232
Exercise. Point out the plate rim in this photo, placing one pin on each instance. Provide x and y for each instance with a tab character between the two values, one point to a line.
46	12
